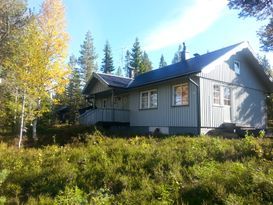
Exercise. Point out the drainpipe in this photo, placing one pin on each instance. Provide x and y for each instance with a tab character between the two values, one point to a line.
197	104
113	112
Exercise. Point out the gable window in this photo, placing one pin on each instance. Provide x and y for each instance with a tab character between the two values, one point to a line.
236	67
148	99
216	95
227	96
180	94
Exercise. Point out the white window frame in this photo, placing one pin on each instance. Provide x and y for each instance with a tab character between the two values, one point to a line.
230	93
237	71
173	95
149	99
222	93
220	96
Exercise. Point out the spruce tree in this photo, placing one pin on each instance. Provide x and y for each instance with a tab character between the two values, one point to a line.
146	64
127	64
162	62
177	55
75	98
136	57
107	61
119	71
87	59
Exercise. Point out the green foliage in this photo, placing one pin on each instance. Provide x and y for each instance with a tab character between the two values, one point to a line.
141	170
261	10
107	61
136	57
162	62
71	196
87	59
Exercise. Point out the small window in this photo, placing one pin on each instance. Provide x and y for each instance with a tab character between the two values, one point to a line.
227	96
236	67
148	99
181	94
216	95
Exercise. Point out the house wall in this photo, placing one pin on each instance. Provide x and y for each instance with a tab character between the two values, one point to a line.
98	87
248	99
180	119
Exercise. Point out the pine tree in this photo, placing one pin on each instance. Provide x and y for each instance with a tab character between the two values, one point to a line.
177	55
75	98
107	62
119	71
162	62
136	57
87	59
126	68
146	64
261	10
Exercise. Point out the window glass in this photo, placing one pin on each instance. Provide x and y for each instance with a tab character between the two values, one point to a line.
177	95
237	67
185	94
144	100
148	99
216	95
227	96
153	99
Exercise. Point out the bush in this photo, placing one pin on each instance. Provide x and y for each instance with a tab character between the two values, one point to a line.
140	170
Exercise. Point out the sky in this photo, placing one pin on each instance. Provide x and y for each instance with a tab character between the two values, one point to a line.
160	26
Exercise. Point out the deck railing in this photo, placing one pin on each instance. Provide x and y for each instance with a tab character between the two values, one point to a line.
93	116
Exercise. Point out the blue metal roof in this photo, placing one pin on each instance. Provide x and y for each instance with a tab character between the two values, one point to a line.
190	66
114	81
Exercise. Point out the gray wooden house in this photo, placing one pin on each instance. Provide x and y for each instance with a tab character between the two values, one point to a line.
196	95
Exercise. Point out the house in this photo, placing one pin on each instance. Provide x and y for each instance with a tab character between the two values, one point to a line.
196	95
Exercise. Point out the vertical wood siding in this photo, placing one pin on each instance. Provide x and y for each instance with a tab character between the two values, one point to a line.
248	99
165	114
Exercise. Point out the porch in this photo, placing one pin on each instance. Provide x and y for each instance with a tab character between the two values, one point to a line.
94	116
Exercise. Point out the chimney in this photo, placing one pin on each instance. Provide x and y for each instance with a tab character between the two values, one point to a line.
183	52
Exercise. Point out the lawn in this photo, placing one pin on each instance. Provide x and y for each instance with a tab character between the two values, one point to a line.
139	170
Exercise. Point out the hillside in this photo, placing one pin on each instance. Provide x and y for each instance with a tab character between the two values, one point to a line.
140	170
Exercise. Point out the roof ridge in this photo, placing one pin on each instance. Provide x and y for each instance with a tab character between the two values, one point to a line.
236	44
109	74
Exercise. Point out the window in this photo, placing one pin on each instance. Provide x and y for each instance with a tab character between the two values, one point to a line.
236	67
148	99
181	94
216	95
227	96
221	95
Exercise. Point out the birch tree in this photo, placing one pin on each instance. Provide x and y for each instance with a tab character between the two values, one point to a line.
38	67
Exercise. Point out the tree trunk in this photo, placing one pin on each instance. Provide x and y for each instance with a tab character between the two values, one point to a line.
34	130
34	123
22	121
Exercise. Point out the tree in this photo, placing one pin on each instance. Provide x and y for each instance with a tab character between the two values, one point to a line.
119	71
136	57
127	64
13	16
75	97
261	10
162	62
146	64
107	61
177	55
37	68
87	59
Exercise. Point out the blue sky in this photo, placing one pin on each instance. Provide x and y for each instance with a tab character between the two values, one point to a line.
205	25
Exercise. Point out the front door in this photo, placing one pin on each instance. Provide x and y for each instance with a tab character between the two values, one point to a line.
227	104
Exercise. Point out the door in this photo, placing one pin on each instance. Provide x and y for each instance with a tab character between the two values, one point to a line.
227	104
